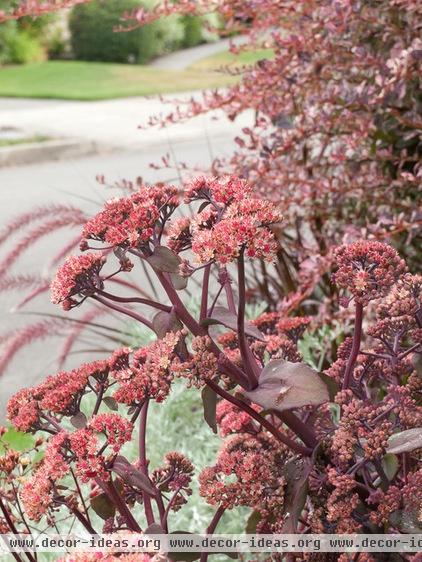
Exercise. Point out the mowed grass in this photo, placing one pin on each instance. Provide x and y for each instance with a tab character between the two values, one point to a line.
78	80
95	81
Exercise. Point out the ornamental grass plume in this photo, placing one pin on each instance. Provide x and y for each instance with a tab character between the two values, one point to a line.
346	441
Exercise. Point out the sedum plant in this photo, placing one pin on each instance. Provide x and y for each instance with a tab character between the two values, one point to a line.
303	451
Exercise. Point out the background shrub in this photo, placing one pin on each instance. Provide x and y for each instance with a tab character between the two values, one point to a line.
93	37
193	31
18	46
25	40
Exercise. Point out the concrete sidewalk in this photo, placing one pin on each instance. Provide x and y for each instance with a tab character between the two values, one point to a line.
180	60
115	124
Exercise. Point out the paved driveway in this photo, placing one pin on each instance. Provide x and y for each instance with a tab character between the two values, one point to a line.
114	124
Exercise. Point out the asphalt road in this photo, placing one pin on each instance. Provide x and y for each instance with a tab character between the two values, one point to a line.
24	188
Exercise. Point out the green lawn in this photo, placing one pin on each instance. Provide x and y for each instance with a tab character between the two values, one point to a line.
95	81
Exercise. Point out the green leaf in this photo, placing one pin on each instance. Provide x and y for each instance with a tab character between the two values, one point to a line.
390	464
179	282
164	259
209	402
406	521
103	506
417	363
335	412
284	385
18	440
331	385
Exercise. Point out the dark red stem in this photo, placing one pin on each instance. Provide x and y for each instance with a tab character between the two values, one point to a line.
250	364
138	300
296	447
229	291
297	426
197	330
212	527
149	514
116	498
125	311
83	520
11	526
357	336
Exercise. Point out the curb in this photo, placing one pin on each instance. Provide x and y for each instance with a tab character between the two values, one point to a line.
47	151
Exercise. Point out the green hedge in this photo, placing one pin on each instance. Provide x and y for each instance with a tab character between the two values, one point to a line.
193	31
93	37
23	40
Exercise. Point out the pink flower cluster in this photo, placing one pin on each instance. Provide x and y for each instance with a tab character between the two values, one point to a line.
280	338
248	472
79	275
367	269
150	373
276	346
147	375
201	366
58	394
22	409
342	502
293	328
85	443
232	419
404	299
233	221
244	226
175	476
38	491
221	191
405	501
131	221
357	428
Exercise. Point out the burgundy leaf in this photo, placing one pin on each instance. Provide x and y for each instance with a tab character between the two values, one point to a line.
209	402
284	385
132	476
79	420
228	319
164	322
